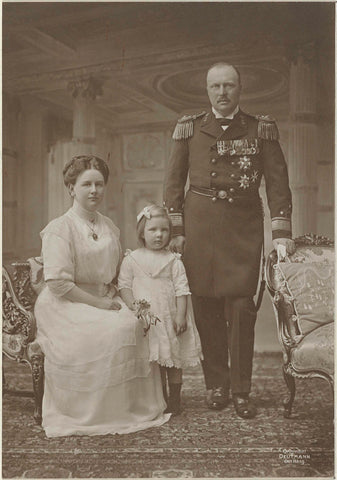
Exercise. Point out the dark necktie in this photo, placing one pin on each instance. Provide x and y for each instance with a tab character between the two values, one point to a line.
224	121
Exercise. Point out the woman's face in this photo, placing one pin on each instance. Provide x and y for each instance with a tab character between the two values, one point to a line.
89	189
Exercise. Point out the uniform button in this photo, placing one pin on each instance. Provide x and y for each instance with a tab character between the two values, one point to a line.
214	174
232	190
213	199
232	163
232	175
171	209
222	194
281	212
214	160
231	200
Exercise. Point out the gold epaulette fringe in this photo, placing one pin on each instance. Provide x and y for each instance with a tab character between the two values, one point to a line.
267	128
184	127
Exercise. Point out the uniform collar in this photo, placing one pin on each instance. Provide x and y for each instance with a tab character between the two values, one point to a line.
230	116
238	128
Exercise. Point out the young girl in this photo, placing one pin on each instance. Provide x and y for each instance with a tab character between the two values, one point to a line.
155	274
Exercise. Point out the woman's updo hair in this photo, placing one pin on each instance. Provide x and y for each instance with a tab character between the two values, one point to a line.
79	164
147	213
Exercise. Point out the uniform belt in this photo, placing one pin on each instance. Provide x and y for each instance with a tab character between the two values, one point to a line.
220	194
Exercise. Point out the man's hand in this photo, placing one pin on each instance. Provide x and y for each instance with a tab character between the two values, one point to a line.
286	242
177	244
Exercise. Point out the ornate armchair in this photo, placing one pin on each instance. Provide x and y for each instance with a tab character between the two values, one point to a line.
302	291
19	327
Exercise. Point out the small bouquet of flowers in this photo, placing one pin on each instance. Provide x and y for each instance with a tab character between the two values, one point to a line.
144	314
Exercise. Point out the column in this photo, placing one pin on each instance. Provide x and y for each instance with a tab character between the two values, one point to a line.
84	92
11	111
33	187
303	140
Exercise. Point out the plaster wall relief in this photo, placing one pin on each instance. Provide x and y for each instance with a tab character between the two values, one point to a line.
143	161
145	152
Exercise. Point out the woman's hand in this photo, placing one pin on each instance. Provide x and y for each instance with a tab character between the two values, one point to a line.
180	325
107	303
112	290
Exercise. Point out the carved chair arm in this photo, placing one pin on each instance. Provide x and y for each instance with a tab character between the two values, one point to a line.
22	284
287	324
17	316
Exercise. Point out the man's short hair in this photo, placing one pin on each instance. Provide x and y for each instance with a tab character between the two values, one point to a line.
224	64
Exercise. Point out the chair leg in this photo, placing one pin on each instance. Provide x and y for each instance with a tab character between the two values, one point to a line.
37	364
288	403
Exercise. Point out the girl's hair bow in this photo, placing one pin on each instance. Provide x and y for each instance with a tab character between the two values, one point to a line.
146	212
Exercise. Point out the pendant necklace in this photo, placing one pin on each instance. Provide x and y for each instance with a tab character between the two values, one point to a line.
93	233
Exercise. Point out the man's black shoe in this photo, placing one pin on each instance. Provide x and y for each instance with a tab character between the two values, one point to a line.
217	398
244	406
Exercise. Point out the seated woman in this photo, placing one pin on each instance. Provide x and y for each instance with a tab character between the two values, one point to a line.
98	378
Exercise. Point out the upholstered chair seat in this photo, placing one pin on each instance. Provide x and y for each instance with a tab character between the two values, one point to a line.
316	351
302	292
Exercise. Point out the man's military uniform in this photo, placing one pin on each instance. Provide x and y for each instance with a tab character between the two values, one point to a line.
221	216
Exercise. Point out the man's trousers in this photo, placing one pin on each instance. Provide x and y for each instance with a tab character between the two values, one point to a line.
226	324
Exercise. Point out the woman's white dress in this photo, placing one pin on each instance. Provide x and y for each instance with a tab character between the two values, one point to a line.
98	378
159	277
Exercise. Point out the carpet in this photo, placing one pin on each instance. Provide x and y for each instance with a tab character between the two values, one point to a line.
199	443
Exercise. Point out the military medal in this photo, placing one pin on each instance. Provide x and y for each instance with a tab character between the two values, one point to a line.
223	146
244	182
245	163
254	176
238	147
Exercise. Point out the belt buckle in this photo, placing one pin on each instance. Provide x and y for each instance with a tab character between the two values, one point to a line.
222	194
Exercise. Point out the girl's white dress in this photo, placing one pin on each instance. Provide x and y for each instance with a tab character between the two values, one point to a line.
159	277
98	378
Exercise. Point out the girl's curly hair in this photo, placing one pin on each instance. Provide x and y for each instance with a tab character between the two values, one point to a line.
154	211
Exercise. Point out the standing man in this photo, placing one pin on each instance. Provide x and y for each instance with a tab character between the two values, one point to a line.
218	226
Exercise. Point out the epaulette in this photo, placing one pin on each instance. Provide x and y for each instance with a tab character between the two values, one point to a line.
184	127
267	128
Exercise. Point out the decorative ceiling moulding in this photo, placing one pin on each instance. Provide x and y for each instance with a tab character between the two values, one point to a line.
188	88
121	66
